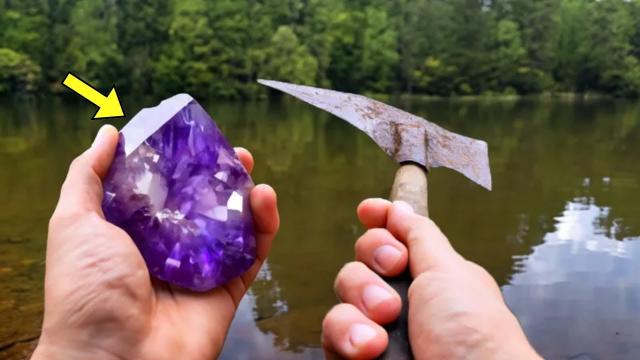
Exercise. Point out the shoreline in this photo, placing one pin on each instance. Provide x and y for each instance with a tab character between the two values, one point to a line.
553	96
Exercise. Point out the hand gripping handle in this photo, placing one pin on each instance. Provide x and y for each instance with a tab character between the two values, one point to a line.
410	186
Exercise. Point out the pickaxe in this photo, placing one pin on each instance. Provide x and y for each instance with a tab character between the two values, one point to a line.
417	145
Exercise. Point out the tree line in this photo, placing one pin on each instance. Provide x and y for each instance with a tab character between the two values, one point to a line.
218	48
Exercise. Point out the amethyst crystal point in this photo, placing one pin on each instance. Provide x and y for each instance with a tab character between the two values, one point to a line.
178	189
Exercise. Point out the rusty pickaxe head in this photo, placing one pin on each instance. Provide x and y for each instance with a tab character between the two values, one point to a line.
403	136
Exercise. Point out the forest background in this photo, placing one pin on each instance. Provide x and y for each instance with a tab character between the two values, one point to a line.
217	49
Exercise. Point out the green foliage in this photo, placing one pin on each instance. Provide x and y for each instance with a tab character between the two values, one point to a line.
510	54
182	64
18	73
569	44
23	27
142	30
93	52
379	55
608	64
287	60
219	48
319	33
435	76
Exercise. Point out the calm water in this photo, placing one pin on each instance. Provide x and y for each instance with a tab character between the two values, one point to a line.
559	232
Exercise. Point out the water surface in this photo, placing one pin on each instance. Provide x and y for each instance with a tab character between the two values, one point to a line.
559	232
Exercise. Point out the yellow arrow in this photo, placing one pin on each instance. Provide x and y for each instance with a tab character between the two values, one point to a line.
108	106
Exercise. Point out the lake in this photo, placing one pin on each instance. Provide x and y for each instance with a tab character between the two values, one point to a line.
559	232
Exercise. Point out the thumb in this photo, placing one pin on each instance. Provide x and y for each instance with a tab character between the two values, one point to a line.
428	248
82	189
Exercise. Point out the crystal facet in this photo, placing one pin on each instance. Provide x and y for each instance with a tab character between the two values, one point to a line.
178	189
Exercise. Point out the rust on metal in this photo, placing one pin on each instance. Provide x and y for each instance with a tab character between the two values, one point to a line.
403	136
397	138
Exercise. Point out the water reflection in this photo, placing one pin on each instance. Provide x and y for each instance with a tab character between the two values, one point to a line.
543	153
577	294
265	325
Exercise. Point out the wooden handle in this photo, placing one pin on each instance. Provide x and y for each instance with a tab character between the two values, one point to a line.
410	186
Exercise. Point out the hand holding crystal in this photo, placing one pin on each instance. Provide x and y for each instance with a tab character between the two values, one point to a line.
100	301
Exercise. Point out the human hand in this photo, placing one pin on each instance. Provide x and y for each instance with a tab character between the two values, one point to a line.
100	301
456	309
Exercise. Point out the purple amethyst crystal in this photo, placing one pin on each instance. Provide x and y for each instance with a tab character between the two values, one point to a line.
178	189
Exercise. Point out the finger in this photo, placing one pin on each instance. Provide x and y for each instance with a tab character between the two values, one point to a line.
428	247
245	158
264	206
350	334
373	212
356	284
382	252
82	189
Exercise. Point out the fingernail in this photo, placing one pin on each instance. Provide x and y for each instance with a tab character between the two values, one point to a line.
403	205
360	335
386	257
374	295
100	136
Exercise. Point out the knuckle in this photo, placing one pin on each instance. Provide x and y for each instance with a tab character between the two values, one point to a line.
332	316
423	225
65	217
367	238
414	234
425	284
478	271
351	268
91	217
54	220
482	276
416	285
375	232
328	318
358	246
76	162
62	218
418	226
345	274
